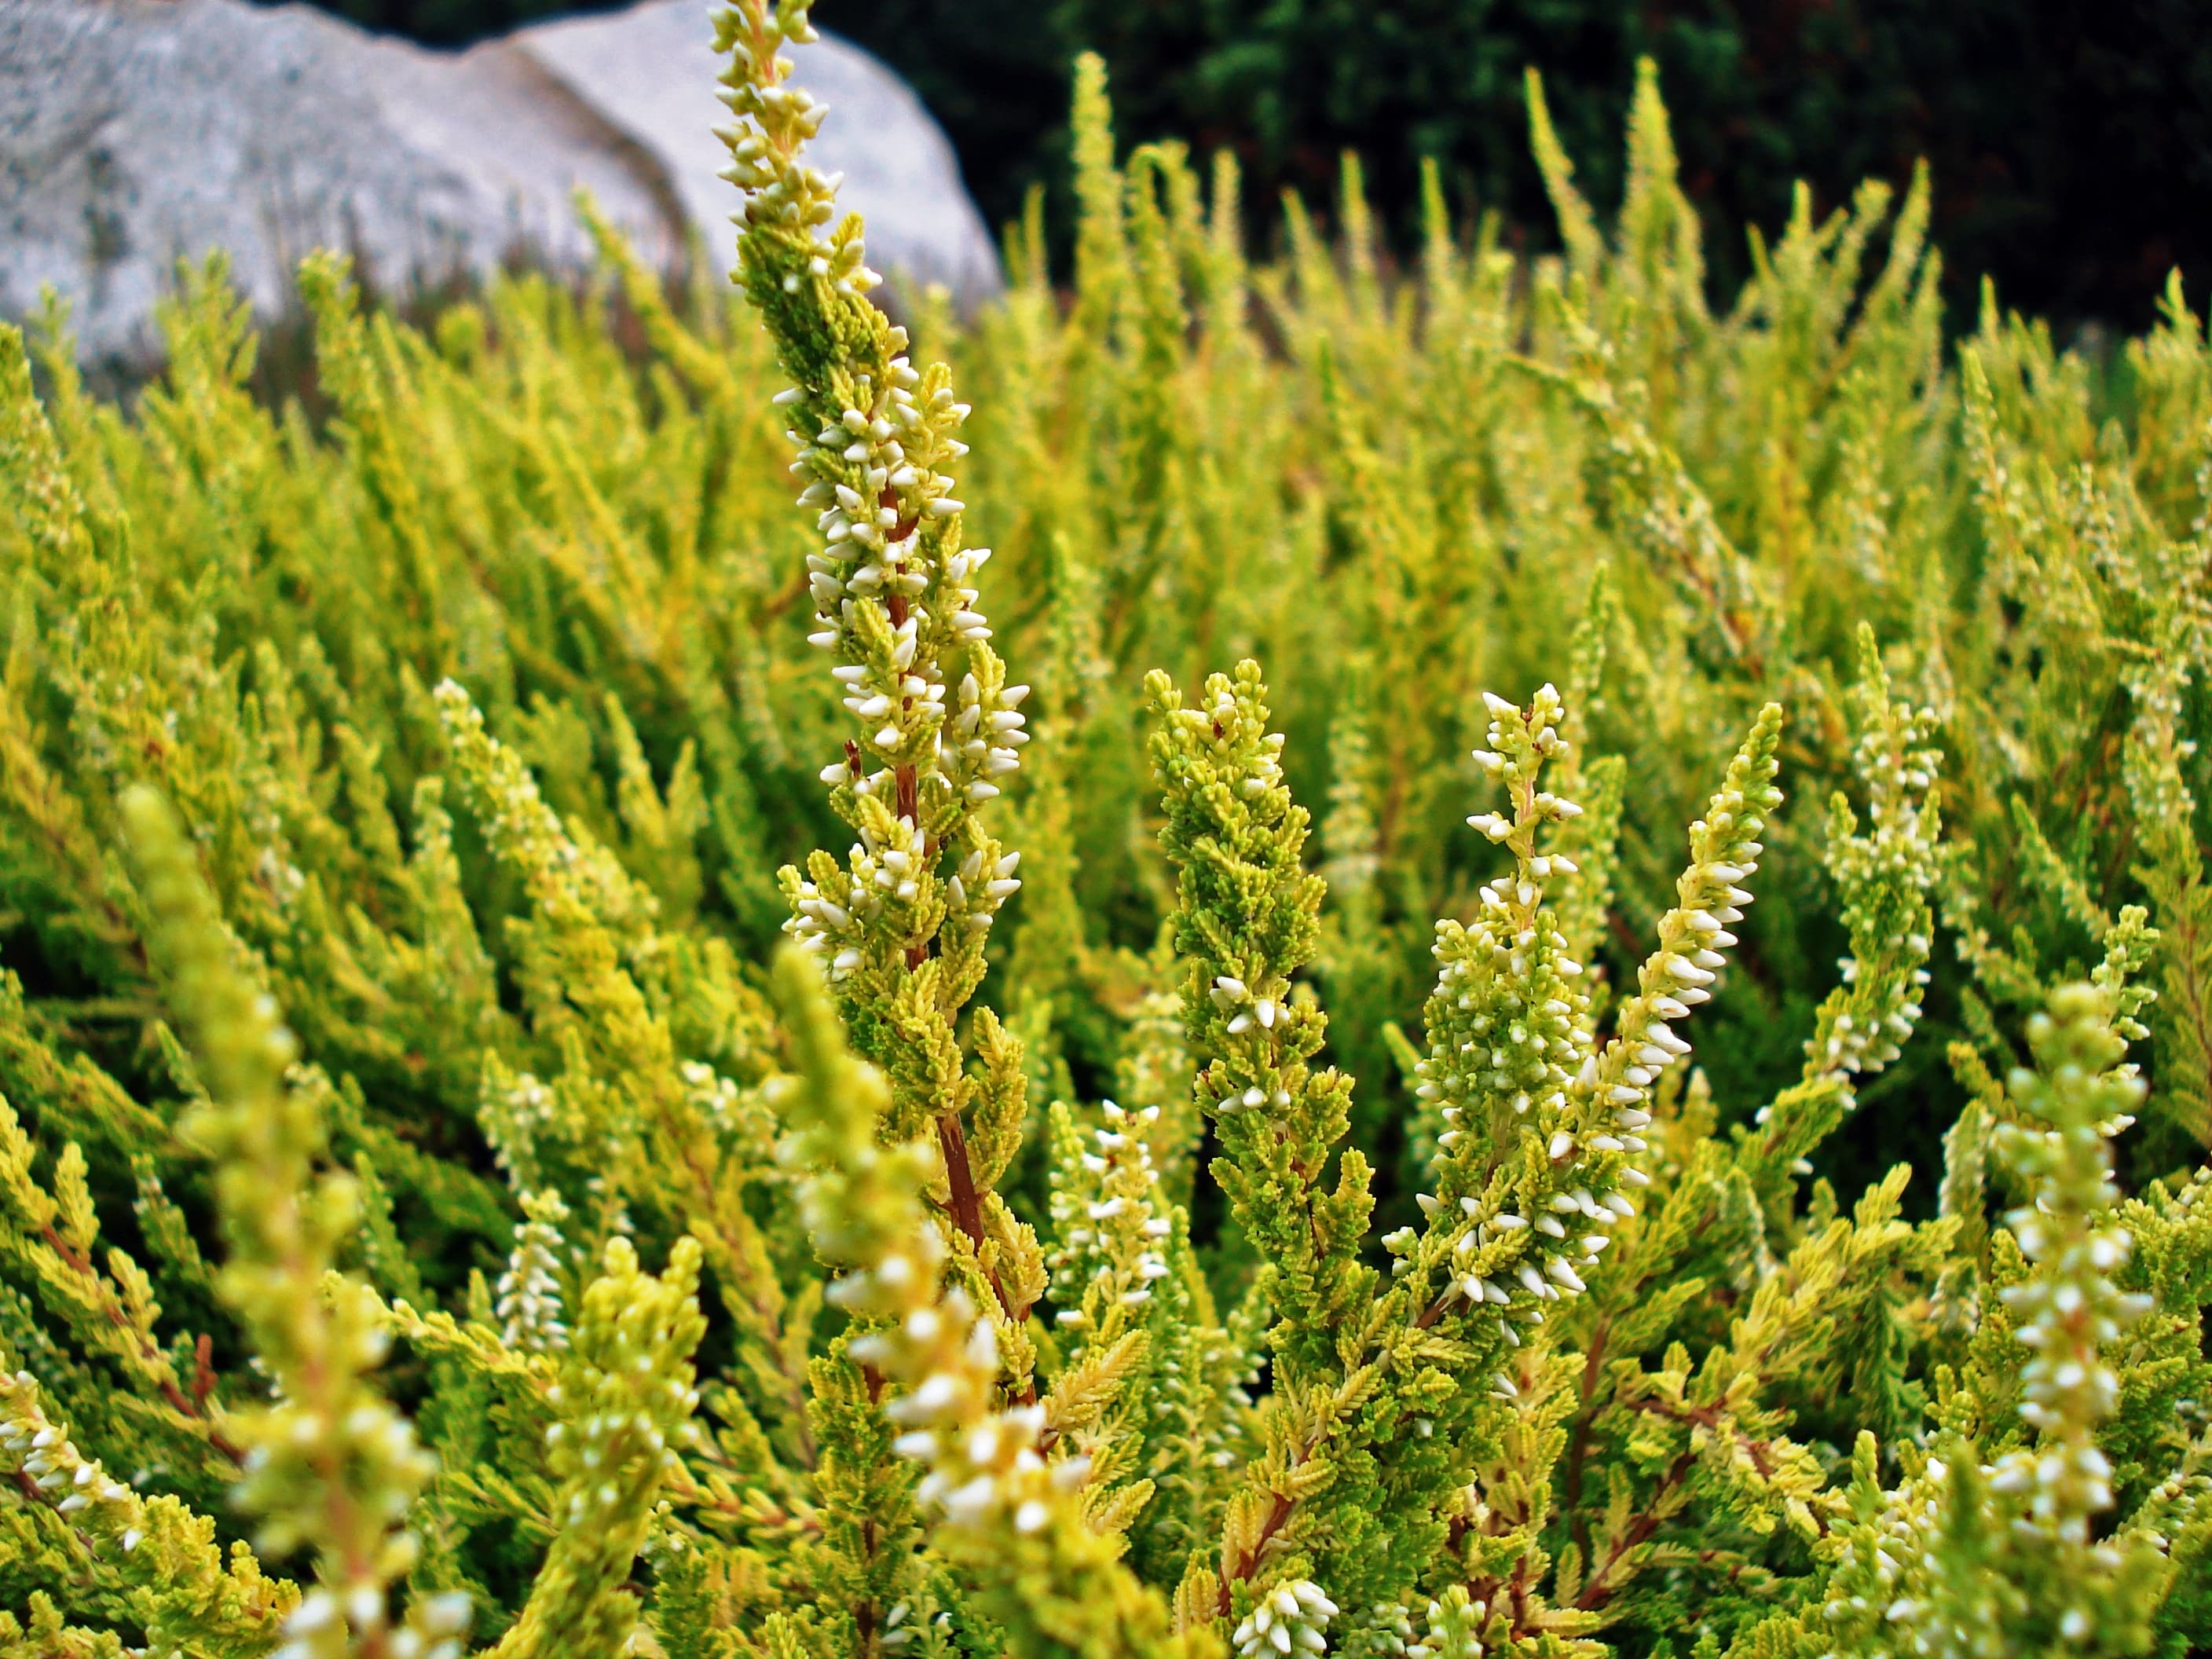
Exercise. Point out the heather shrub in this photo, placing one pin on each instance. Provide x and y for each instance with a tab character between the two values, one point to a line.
598	1064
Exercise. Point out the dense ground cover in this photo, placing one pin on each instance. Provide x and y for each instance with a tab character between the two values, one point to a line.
2074	155
398	814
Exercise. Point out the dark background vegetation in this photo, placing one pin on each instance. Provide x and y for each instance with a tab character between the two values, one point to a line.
2071	140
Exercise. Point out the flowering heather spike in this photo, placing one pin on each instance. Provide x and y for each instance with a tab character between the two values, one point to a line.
625	1399
1883	874
891	583
1247	920
529	1292
162	1558
901	924
1003	1507
2071	1308
1976	1554
329	1466
1724	848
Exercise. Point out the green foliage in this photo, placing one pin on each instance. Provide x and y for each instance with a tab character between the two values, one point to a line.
433	1208
2061	167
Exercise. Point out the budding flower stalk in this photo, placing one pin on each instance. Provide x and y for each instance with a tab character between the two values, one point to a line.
1005	1508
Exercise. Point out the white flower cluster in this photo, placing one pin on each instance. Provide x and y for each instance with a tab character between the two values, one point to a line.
862	1202
889	613
1497	1261
1244	1010
772	121
874	490
902	1629
317	1628
712	1095
1905	1571
626	1392
1247	1011
1897	1588
1107	1218
1452	1630
1506	1042
834	916
109	1513
1679	975
1505	1025
983	1463
1387	1630
1884	1569
1455	1625
2067	1310
1511	1056
514	1110
1884	874
45	1455
529	1292
891	594
1290	1618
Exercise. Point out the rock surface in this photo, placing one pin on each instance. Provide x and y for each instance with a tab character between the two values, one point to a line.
652	71
133	132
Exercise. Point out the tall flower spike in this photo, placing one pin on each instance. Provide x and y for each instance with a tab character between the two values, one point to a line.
163	1559
1967	1559
1510	1066
529	1292
1014	1520
625	1400
1535	1189
1505	1024
1884	873
1246	919
2070	1309
892	584
332	1466
900	925
1883	870
1724	848
1110	1223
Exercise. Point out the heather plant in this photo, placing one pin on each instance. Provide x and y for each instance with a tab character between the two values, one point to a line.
599	1062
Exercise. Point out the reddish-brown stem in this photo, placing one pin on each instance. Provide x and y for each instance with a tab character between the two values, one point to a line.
185	1407
1579	1445
967	1201
1276	1518
967	1208
905	527
1597	1591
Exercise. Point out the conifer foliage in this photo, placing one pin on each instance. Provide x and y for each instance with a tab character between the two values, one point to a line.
575	1084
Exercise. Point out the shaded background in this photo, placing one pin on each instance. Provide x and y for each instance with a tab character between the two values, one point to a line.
2070	140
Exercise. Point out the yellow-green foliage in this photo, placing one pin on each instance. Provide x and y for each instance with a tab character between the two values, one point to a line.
1129	1217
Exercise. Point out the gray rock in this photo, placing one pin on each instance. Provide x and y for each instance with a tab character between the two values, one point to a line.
136	132
652	71
133	132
